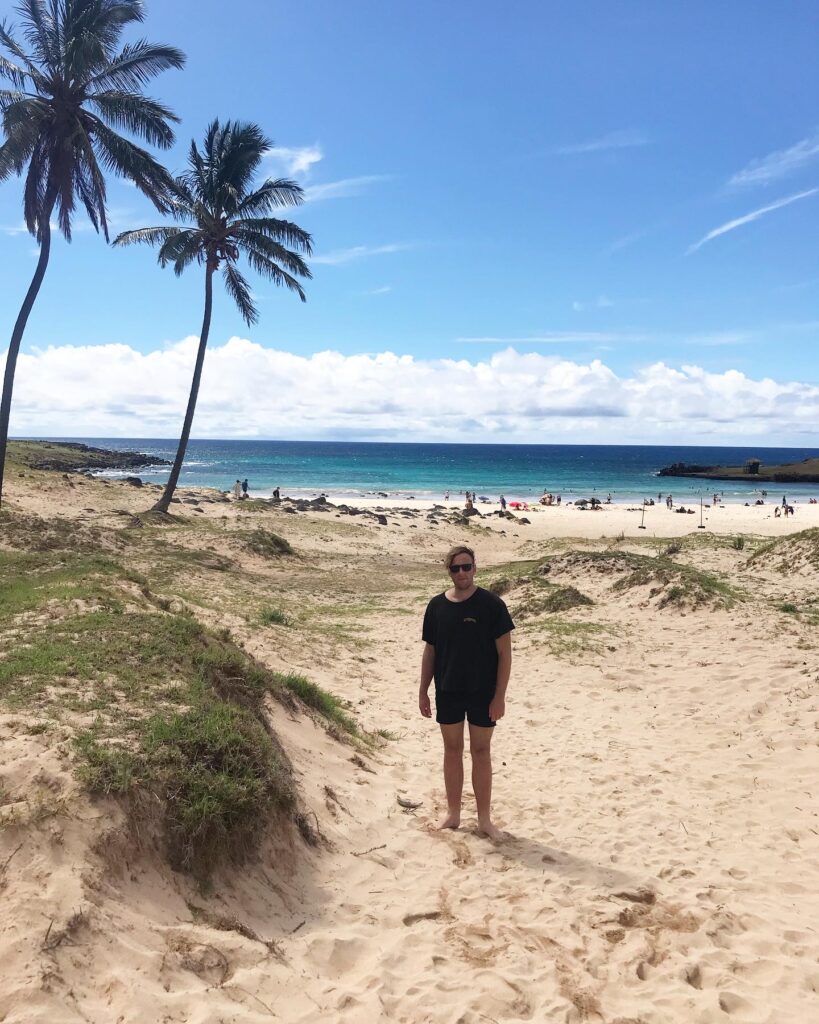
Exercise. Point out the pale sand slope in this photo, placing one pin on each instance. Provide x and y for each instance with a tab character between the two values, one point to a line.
658	785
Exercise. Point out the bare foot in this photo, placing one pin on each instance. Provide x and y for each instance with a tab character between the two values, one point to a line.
450	820
487	829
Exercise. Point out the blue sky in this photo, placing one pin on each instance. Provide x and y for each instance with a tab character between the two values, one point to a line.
600	184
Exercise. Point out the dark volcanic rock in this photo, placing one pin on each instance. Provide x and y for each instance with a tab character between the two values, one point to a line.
77	458
683	469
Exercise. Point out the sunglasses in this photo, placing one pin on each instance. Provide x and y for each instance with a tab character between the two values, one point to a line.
465	567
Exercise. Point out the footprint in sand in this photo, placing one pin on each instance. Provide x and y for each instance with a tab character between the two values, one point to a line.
730	1002
461	856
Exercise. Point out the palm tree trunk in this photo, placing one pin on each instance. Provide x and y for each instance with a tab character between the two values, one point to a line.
17	335
170	487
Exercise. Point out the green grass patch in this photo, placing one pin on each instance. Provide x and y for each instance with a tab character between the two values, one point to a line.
27	532
212	770
273	617
671	582
325	703
549	599
794	553
253	505
267	544
29	580
565	638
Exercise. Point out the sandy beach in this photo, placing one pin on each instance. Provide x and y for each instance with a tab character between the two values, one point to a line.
656	776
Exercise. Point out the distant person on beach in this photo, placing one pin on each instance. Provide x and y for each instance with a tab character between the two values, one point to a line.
502	503
237	489
446	496
244	488
784	501
467	635
277	494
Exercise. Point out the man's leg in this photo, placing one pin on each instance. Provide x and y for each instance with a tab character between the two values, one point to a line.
453	773
480	740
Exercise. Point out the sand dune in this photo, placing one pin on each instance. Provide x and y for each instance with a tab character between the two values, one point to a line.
656	776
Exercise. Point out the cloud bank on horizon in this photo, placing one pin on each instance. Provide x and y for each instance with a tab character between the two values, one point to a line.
249	391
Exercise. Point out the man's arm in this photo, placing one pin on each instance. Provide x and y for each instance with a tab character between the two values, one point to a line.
497	707
427	670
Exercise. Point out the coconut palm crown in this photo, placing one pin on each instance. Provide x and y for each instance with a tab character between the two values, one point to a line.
228	219
224	218
72	91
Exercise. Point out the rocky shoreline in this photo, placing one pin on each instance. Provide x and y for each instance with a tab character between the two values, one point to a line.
805	472
73	457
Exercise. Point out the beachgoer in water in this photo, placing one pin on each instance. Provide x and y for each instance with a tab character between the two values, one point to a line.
237	489
467	635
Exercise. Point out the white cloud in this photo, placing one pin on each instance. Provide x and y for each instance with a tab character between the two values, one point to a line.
768	168
614	140
749	217
17	229
251	391
358	252
378	291
295	161
601	302
560	338
341	189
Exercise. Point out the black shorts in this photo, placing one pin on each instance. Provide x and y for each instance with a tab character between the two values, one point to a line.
451	708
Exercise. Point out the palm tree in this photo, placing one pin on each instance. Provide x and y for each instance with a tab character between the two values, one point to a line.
227	219
68	95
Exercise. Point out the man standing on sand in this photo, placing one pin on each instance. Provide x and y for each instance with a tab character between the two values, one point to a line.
467	637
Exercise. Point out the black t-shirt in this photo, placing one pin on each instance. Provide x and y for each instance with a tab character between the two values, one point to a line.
463	634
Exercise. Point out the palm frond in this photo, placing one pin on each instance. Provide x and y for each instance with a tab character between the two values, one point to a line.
182	250
89	182
239	291
40	27
278	231
145	236
10	96
271	195
23	124
16	75
268	249
136	65
14	48
37	186
273	272
137	114
132	162
222	172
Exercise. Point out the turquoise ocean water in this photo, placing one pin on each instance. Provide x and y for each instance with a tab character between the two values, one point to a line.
345	470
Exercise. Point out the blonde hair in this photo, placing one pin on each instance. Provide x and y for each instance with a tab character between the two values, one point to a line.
459	549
